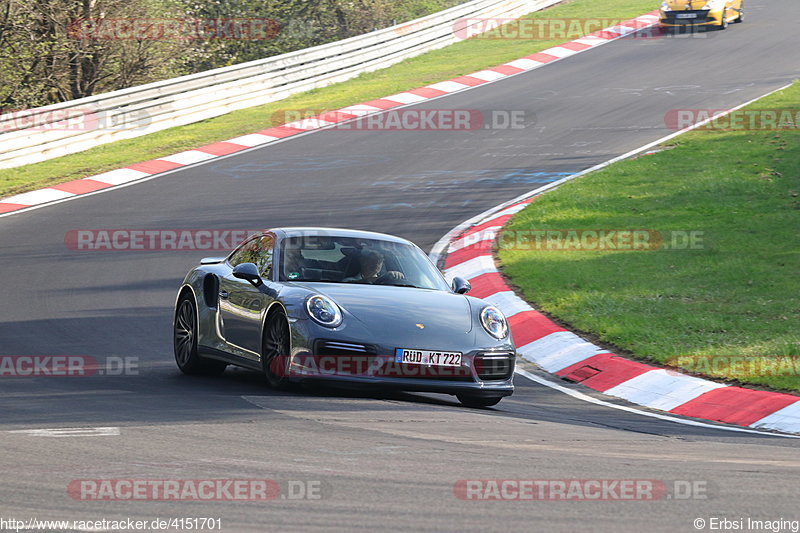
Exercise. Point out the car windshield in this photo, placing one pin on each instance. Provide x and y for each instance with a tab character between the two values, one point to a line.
359	261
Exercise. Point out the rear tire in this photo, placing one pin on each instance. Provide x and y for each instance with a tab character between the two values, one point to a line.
275	349
740	18
184	336
478	401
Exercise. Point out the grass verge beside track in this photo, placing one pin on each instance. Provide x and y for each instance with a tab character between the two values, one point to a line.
455	60
736	294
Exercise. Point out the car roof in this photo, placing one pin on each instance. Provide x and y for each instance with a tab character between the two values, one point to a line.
336	232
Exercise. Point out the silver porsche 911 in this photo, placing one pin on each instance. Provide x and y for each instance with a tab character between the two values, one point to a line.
352	307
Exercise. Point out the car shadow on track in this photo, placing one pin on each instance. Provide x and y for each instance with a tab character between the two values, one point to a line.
144	387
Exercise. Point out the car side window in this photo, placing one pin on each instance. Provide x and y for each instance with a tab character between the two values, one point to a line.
237	257
258	251
263	257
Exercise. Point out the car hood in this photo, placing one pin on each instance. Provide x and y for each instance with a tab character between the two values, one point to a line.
401	310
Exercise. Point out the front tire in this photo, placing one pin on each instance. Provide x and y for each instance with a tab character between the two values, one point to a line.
478	401
185	342
275	347
723	21
740	18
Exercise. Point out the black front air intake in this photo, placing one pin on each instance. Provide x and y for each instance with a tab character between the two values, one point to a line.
492	366
326	347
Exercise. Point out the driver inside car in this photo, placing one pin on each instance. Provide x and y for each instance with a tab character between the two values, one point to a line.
293	262
371	263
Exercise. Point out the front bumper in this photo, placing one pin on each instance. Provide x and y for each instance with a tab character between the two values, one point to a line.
336	357
484	373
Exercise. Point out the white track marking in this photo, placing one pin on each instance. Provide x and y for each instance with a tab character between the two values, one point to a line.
472	268
252	139
69	432
405	98
307	124
513	210
687	422
559	350
525	64
487	75
38	197
661	389
188	157
508	302
559	51
357	110
485	236
786	419
591	40
448	86
120	176
623	30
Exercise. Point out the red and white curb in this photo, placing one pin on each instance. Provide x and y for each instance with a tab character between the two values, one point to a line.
148	169
467	252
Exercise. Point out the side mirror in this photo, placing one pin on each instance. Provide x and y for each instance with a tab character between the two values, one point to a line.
461	286
249	272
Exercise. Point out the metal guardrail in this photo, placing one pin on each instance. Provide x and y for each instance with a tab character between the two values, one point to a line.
77	125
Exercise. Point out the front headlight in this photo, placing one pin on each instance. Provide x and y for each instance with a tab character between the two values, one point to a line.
665	6
324	311
494	322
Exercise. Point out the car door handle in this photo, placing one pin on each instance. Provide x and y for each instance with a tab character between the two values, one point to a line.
223	294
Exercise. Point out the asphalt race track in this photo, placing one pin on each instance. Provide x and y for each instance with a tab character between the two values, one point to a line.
383	462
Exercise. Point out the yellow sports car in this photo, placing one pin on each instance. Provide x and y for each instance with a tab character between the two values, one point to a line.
692	13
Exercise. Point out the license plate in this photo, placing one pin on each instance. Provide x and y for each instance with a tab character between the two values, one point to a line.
427	357
686	15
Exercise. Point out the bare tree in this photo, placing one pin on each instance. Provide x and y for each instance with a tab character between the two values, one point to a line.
55	50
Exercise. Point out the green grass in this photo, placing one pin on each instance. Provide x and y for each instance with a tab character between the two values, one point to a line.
736	295
455	60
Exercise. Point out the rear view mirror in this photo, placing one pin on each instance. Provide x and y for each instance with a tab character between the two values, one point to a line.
461	286
249	272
